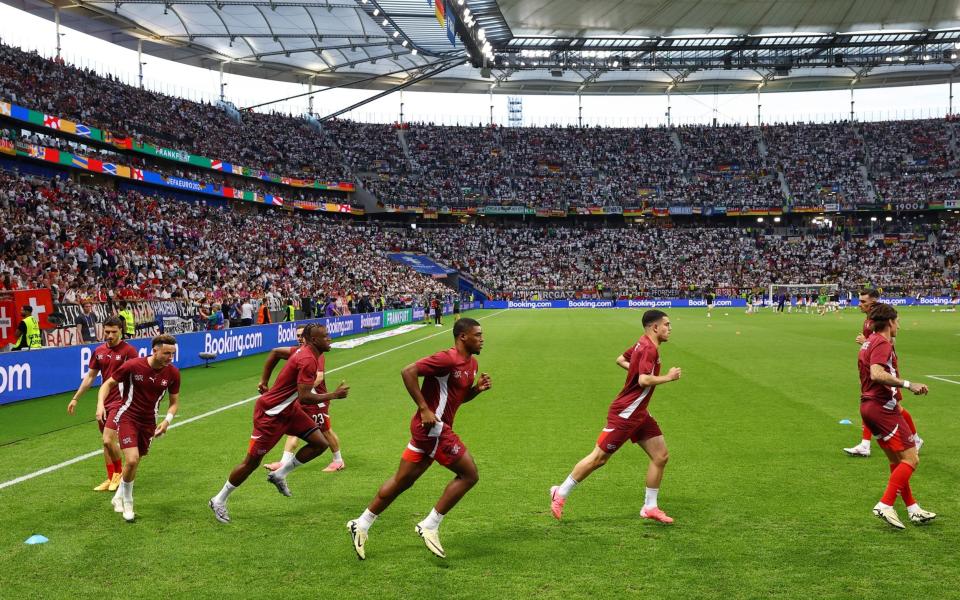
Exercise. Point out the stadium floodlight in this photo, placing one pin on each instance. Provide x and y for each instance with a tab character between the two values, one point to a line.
759	219
888	219
776	219
385	22
376	12
414	51
405	43
396	34
873	219
482	34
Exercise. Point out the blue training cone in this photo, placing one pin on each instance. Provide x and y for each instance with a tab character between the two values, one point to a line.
36	539
845	422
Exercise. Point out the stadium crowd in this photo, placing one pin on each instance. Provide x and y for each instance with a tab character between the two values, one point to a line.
644	261
822	162
538	167
198	175
88	243
272	142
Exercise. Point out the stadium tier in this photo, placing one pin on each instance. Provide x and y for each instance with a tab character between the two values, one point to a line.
702	168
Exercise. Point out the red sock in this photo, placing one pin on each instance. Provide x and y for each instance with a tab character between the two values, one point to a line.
899	481
109	470
117	466
909	420
905	492
866	434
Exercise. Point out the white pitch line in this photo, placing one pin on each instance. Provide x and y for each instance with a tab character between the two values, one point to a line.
83	457
941	378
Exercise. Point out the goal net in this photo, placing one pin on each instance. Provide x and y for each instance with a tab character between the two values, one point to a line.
805	290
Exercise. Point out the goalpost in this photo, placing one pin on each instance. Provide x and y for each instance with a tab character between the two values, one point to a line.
804	289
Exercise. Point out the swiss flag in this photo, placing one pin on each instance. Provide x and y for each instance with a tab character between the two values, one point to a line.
40	300
51	122
8	314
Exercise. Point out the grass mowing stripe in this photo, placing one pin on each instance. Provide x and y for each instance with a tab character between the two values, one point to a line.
83	457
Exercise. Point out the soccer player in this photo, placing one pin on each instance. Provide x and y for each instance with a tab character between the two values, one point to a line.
868	299
448	382
628	419
106	359
709	297
319	412
880	395
145	381
278	412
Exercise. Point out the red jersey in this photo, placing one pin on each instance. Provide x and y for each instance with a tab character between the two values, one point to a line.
878	351
644	357
447	377
867	327
301	368
321	365
107	360
144	388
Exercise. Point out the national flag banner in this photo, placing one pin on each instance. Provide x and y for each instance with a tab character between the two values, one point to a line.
277	201
123	171
51	121
51	154
136	174
20	113
8	313
5	109
68	126
82	130
438	10
110	168
95	165
41	301
216	165
8	147
451	23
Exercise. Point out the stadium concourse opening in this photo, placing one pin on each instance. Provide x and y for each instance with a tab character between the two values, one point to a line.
519	271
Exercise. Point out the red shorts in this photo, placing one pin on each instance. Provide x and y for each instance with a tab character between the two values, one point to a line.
268	429
618	431
134	434
889	427
446	449
110	421
319	414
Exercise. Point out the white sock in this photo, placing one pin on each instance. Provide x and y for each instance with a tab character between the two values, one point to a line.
913	508
127	488
882	505
287	457
650	498
567	486
286	467
119	492
366	520
221	498
865	444
432	521
337	457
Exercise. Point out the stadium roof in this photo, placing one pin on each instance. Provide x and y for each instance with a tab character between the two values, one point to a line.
543	46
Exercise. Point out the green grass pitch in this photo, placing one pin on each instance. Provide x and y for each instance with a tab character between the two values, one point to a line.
766	505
